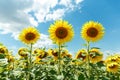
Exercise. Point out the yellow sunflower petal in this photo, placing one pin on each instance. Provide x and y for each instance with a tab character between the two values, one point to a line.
29	35
95	55
61	32
113	67
92	31
82	55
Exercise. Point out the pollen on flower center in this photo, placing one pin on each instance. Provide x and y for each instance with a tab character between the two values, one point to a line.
92	32
61	32
30	36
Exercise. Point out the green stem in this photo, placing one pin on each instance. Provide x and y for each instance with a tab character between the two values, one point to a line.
88	47
30	62
59	60
30	54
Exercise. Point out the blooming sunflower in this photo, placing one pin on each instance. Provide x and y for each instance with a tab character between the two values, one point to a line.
69	55
29	35
40	53
23	52
53	53
61	32
92	31
82	55
11	59
43	55
113	58
3	50
113	67
64	52
95	55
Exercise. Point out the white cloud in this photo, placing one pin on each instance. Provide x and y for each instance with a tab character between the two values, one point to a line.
16	14
46	10
57	14
42	8
78	1
33	21
13	16
44	42
66	3
107	53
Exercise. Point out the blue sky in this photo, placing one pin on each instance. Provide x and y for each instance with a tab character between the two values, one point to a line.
18	14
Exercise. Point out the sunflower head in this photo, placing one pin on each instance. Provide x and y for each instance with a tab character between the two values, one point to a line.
69	55
38	51
92	31
3	50
23	52
64	52
82	55
95	55
40	54
53	53
113	58
29	35
61	32
113	67
11	59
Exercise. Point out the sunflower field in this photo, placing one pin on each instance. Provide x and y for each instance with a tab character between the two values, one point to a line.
58	63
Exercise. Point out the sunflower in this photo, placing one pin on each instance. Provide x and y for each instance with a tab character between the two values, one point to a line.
23	52
64	52
29	35
53	53
95	55
113	67
69	55
40	53
92	31
11	59
3	50
43	55
82	55
61	32
113	58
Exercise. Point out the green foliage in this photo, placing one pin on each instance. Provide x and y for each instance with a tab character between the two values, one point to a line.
2	56
47	69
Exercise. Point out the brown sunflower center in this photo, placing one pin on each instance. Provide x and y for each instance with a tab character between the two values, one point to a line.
92	32
68	55
2	50
40	56
93	54
81	56
61	32
45	54
113	60
29	36
113	66
55	54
